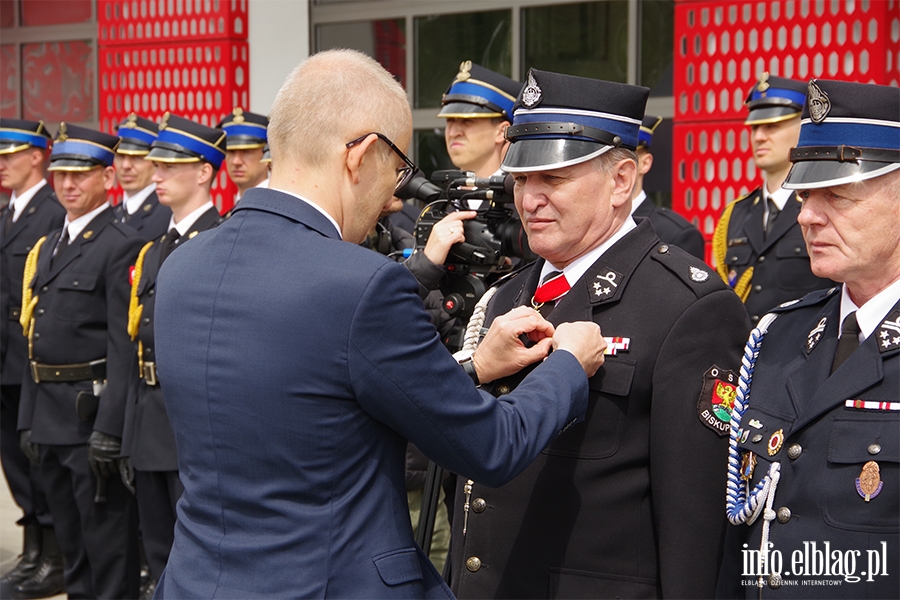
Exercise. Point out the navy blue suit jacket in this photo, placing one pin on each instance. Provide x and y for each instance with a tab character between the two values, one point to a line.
297	365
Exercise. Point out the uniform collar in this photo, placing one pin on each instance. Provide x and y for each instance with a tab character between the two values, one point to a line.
872	313
184	225
20	203
75	227
637	200
133	203
580	265
315	206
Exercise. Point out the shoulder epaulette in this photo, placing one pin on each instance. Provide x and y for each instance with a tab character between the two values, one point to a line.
695	273
810	299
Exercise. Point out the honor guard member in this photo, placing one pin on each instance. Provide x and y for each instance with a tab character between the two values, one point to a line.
478	108
758	248
815	433
74	309
669	226
618	505
140	208
33	211
246	139
187	156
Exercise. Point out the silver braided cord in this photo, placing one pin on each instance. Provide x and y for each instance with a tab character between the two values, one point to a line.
473	329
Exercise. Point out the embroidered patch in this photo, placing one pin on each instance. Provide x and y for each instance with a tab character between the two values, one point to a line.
699	275
717	399
813	337
889	333
604	285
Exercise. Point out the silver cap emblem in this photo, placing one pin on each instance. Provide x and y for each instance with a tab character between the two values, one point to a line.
819	104
531	95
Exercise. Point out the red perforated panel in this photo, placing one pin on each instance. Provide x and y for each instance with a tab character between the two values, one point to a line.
722	48
187	57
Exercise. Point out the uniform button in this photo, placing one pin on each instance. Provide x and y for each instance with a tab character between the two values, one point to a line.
754	318
775	581
41	311
148	350
473	563
798	250
44	289
794	451
478	505
663	249
502	389
146	321
16	312
761	259
75	283
37	336
757	288
783	515
874	449
150	293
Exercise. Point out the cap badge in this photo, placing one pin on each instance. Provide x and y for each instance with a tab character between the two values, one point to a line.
819	104
763	84
62	136
165	121
464	68
238	115
531	95
131	123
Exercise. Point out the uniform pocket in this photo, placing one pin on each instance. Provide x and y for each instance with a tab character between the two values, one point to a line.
76	296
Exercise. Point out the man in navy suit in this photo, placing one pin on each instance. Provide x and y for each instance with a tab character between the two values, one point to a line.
815	433
298	363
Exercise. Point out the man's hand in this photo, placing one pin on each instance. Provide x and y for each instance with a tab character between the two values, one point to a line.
502	353
103	454
29	449
583	339
126	472
445	233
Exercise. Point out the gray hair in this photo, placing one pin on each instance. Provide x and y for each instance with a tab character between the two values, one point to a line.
330	99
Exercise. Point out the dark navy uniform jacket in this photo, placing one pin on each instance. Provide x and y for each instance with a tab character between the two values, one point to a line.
81	316
825	446
42	215
148	439
151	219
780	262
628	503
296	366
672	228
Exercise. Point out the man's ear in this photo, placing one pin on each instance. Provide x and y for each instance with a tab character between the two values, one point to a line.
205	173
109	178
624	177
501	133
356	155
645	162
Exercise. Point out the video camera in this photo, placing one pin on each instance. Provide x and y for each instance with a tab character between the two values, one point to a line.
493	237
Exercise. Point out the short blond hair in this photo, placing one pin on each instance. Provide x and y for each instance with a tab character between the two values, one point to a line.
329	99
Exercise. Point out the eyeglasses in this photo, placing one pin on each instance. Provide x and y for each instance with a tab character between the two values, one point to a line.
404	174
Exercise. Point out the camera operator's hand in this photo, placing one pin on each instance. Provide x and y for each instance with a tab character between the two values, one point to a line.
445	233
502	353
583	339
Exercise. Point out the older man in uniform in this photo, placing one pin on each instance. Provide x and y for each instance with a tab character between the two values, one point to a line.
74	311
185	171
33	211
619	505
815	438
669	226
246	139
140	208
477	107
758	248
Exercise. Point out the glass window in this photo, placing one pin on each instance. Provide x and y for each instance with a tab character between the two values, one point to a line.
431	151
383	40
55	12
444	41
7	14
58	81
657	31
589	39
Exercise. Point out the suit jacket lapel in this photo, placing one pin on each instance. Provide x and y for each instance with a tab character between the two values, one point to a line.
786	219
87	236
752	225
22	222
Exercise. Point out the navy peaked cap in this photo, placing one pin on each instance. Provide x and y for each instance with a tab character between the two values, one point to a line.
848	132
562	120
244	130
477	92
648	128
136	133
774	99
82	149
184	141
16	135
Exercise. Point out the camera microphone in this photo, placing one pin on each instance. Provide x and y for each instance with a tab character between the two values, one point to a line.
504	183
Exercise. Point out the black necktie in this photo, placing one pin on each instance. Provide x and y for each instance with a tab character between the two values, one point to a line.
62	244
7	219
169	243
773	213
848	342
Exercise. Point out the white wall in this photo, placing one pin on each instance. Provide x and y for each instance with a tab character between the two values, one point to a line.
278	36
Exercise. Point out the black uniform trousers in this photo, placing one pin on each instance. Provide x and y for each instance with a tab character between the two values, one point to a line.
22	476
157	494
93	569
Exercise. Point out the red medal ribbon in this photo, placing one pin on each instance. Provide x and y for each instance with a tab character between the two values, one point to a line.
552	290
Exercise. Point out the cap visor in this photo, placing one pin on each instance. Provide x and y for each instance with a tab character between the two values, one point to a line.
132	149
810	174
170	155
543	155
11	147
771	114
244	143
73	164
466	110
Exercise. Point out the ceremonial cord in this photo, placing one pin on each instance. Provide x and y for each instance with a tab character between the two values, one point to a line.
743	505
476	322
720	250
134	309
29	301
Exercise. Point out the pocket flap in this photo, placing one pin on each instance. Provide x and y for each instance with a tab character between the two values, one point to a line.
614	377
738	255
398	566
861	440
77	281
